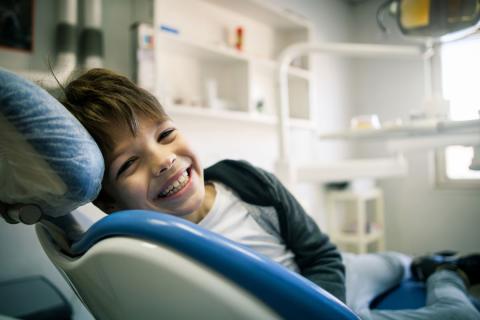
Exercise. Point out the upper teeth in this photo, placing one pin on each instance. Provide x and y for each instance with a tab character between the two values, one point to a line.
176	186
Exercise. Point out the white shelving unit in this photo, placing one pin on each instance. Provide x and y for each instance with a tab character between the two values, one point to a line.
251	118
197	51
176	44
356	228
351	169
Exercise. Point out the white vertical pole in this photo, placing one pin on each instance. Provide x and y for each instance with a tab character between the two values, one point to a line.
380	217
361	224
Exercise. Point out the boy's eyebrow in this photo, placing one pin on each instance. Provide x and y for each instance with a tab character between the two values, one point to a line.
117	153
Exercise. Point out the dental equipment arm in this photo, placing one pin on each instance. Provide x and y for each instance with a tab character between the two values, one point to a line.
466	133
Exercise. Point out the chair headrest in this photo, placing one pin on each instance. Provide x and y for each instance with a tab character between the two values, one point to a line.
47	158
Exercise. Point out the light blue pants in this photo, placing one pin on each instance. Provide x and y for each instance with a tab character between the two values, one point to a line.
368	275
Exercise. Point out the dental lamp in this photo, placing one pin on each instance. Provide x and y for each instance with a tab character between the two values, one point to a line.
437	21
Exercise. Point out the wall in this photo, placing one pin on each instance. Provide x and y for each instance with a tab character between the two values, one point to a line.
44	38
117	19
419	217
20	252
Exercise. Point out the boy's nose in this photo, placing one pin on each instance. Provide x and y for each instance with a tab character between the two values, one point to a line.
164	165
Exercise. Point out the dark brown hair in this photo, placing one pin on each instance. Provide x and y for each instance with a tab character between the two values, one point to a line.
101	98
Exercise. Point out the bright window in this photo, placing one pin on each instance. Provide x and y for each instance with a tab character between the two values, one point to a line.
460	80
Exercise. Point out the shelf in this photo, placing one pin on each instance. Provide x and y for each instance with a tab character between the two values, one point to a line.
364	50
347	170
272	66
412	129
364	226
196	62
233	115
354	238
418	135
355	195
177	44
218	53
265	13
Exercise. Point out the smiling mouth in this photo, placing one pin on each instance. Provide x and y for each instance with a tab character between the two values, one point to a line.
176	186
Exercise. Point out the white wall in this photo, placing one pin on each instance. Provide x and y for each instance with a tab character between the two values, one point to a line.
419	217
43	42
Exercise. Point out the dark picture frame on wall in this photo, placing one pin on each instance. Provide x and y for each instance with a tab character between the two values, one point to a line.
16	24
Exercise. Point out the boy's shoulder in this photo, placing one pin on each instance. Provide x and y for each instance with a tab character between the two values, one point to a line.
231	166
253	184
240	170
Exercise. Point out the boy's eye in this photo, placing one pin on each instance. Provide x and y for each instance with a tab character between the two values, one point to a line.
125	166
165	134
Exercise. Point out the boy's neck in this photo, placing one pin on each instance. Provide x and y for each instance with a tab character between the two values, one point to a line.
207	204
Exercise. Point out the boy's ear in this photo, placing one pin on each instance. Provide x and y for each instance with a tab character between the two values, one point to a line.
107	208
106	203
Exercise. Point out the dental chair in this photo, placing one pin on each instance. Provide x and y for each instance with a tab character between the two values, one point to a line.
136	264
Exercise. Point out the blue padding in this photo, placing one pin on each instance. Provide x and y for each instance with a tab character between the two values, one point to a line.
289	294
409	294
57	138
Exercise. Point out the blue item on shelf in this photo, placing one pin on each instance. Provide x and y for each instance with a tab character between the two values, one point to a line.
169	29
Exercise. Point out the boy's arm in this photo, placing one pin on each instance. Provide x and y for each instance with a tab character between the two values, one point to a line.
317	257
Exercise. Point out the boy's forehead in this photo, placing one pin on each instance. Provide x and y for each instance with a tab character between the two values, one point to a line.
117	132
117	135
121	134
120	129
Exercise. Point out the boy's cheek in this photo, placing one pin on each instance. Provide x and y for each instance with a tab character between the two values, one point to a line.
187	149
125	195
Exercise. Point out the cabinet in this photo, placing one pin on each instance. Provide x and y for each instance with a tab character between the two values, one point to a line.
219	56
356	220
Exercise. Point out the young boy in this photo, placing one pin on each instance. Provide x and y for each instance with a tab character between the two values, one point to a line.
149	165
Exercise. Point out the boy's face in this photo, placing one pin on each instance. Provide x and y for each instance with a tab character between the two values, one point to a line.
154	170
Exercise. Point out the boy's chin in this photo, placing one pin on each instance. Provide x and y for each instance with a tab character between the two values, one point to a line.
185	211
190	216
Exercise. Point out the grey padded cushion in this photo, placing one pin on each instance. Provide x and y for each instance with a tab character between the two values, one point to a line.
47	158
